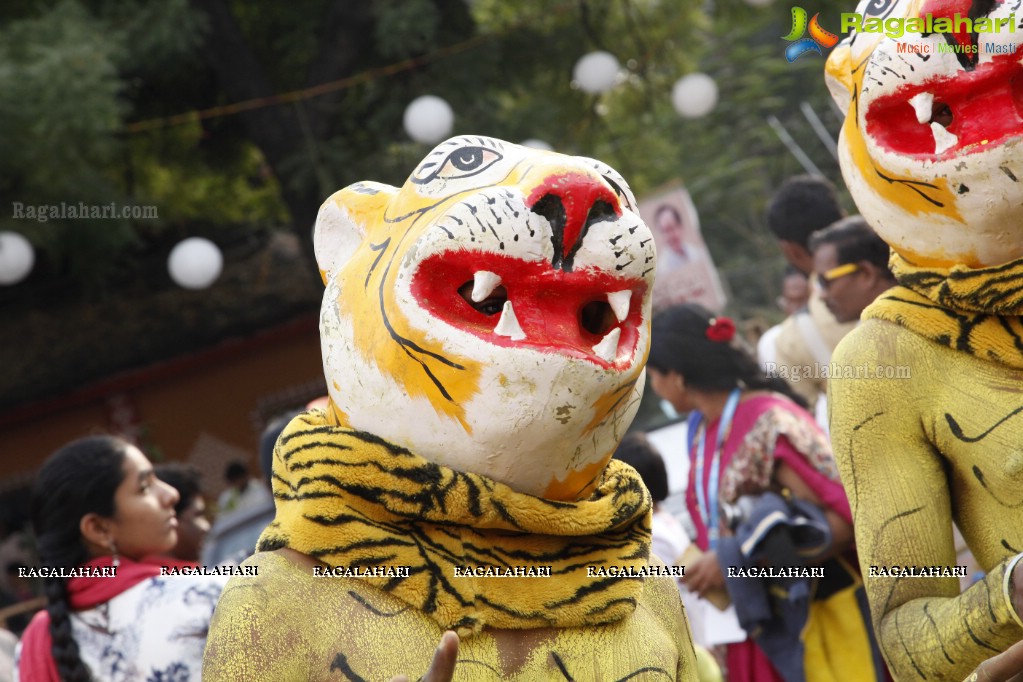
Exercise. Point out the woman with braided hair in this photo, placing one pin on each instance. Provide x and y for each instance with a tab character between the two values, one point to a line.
97	509
749	435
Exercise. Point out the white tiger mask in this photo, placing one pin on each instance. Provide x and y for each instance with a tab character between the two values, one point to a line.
491	315
931	146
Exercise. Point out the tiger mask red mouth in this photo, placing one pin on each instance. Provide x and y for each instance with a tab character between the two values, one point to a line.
540	299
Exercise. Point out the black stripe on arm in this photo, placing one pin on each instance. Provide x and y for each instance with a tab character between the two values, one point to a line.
898	516
902	641
977	640
561	666
340	663
372	609
647	669
937	634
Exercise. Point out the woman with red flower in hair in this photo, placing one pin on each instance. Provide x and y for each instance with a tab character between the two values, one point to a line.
752	444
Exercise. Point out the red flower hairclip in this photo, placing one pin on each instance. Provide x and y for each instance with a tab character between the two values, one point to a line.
721	329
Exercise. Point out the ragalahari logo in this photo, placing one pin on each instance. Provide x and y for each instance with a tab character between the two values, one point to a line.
819	36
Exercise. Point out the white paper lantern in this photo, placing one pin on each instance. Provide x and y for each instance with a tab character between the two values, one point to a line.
195	263
596	72
16	258
428	119
533	143
694	95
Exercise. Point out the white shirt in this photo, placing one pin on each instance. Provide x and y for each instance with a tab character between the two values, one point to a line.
668	538
255	493
767	349
155	630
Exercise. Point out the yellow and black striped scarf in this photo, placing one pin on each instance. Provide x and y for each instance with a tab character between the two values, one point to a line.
976	311
350	499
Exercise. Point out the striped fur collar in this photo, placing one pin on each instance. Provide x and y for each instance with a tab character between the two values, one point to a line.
349	499
976	311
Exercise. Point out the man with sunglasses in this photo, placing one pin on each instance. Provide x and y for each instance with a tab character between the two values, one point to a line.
851	263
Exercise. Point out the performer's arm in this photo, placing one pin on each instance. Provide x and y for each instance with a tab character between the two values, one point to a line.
898	490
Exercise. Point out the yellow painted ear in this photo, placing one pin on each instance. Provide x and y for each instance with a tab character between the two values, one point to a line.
343	221
838	75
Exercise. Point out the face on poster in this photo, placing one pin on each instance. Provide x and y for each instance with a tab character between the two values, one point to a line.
685	268
672	217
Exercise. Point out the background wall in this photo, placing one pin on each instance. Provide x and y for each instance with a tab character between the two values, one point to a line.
207	408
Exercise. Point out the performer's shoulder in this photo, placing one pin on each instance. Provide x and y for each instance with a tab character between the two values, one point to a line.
872	338
272	571
660	589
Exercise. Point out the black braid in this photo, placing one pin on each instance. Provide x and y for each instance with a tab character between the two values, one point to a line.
70	666
79	479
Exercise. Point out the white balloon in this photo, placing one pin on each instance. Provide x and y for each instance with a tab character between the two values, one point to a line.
596	72
428	119
16	258
195	263
533	143
694	95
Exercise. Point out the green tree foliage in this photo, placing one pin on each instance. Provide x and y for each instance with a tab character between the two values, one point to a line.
734	165
71	76
59	106
92	94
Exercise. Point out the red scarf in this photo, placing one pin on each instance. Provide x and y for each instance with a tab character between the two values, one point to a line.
37	664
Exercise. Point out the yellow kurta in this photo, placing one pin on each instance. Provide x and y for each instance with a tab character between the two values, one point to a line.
925	435
285	624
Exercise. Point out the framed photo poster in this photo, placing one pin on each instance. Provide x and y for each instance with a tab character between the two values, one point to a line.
685	269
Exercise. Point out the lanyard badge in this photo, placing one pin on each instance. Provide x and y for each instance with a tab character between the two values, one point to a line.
709	511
